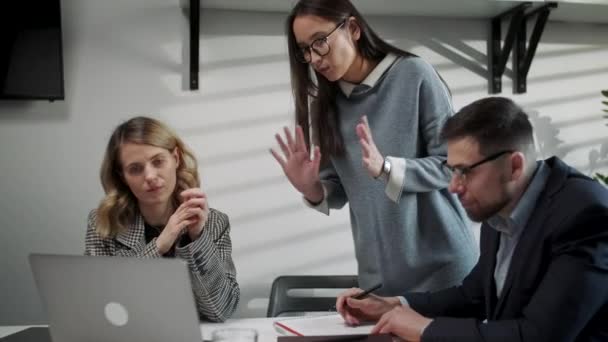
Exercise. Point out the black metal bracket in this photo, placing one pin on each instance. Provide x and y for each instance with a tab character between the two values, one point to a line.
195	16
522	57
516	35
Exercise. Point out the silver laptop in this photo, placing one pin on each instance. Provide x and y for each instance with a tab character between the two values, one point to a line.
118	299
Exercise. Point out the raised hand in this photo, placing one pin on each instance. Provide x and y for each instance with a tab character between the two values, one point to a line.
372	159
189	217
195	197
302	172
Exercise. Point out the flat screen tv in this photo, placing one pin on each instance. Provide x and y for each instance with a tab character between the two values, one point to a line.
31	56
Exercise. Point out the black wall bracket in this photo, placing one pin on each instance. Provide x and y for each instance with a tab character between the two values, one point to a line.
497	55
516	37
195	16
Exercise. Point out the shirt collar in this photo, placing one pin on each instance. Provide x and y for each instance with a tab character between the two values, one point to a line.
373	77
512	225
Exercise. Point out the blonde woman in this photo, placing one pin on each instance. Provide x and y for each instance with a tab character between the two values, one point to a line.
154	208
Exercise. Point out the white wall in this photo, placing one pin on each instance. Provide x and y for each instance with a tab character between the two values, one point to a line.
127	58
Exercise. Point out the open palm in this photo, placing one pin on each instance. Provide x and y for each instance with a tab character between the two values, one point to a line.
371	157
302	172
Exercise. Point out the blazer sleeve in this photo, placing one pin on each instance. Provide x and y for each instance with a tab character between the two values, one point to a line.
98	246
212	270
571	293
466	300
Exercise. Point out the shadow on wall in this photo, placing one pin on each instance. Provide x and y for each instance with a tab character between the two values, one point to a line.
549	144
458	45
599	157
546	136
296	238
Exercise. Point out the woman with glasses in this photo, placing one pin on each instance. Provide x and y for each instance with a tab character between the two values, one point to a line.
368	119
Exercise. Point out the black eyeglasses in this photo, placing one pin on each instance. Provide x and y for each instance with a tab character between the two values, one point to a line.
462	171
320	46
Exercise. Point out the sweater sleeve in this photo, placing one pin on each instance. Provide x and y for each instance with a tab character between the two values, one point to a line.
426	173
333	191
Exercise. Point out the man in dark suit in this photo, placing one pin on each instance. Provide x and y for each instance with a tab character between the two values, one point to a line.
542	274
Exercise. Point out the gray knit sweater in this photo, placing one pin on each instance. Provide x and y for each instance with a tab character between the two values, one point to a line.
421	240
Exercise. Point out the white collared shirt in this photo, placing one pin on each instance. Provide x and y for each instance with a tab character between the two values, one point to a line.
511	227
373	77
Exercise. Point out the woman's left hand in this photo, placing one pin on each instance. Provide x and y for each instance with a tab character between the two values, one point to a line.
372	159
195	197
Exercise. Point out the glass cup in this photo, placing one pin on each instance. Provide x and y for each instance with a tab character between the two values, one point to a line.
234	335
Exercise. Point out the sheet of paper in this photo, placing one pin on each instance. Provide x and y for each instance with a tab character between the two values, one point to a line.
319	325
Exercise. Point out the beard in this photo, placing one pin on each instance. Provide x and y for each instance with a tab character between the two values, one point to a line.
479	214
483	212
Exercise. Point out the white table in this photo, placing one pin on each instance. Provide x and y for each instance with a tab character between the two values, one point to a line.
266	332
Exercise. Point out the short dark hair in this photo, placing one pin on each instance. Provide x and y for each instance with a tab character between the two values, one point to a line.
496	123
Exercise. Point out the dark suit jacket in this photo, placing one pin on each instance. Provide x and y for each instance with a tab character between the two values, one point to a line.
557	285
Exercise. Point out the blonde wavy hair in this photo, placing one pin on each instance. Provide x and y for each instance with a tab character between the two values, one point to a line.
119	206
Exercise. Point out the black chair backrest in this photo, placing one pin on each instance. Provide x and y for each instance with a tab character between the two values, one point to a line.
281	302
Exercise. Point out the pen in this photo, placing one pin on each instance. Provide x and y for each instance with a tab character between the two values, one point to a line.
368	291
362	294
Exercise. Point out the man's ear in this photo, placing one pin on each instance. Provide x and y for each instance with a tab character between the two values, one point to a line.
354	29
518	165
175	154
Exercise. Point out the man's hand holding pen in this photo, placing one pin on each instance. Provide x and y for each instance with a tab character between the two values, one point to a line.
357	306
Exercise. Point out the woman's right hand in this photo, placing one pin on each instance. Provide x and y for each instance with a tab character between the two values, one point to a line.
302	172
186	214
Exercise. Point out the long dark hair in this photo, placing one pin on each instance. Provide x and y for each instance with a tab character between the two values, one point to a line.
370	46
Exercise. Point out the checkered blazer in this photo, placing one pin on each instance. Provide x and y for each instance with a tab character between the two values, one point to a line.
209	259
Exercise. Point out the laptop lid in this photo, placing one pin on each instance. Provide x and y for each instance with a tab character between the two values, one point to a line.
118	299
34	334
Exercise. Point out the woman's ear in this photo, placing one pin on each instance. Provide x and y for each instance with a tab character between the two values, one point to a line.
175	154
353	28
